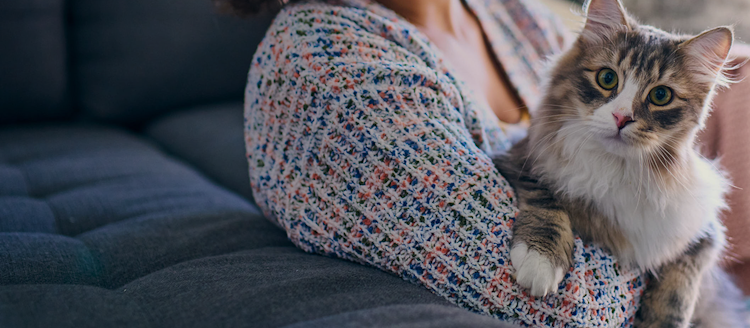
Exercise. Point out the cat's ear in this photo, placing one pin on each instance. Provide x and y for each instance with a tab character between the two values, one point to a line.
603	17
708	51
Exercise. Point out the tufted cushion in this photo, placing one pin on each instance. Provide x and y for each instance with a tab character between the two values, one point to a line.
95	206
264	287
136	59
33	59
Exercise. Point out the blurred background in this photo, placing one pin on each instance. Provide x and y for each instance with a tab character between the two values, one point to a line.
684	16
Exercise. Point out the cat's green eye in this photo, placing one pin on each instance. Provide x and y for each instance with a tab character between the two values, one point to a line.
660	95
606	78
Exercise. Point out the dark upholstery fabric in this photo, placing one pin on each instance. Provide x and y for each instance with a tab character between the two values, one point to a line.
270	287
96	206
412	316
33	75
135	59
211	138
264	287
63	306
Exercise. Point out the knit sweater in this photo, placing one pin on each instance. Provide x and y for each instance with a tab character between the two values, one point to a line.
364	145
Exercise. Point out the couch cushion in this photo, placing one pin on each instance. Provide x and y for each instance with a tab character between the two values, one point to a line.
264	287
42	306
96	206
211	138
134	59
33	82
270	287
413	316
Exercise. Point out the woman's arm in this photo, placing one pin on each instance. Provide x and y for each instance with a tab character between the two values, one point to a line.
368	157
359	148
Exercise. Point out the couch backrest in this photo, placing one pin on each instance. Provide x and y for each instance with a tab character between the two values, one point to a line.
120	61
135	59
33	71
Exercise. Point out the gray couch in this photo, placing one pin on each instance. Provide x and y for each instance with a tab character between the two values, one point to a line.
124	199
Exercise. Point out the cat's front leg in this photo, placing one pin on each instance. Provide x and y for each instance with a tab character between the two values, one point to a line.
542	245
672	293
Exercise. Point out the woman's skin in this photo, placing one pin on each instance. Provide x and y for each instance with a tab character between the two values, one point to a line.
457	33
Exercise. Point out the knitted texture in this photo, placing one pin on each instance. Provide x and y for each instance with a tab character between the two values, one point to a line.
362	145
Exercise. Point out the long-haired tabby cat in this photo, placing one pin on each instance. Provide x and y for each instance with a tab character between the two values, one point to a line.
610	155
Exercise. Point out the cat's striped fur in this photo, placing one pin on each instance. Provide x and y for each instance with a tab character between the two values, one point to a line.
621	171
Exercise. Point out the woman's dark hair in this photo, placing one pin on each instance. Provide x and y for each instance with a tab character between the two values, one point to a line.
249	7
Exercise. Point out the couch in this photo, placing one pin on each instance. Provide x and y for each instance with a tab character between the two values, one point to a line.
124	194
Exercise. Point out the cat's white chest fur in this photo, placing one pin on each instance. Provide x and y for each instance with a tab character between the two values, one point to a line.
658	220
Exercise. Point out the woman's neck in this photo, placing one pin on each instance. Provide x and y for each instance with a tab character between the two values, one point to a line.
446	16
451	26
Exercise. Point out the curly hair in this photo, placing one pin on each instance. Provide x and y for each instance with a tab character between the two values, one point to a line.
249	7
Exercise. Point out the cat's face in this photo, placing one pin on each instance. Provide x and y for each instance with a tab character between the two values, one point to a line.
631	89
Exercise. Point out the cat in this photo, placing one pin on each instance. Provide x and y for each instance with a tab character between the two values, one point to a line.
610	155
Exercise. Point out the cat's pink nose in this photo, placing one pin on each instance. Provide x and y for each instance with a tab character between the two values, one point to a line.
621	120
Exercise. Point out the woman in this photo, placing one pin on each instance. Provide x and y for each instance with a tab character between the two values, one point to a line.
369	130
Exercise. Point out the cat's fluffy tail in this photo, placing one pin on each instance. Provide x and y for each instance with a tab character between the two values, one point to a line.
720	304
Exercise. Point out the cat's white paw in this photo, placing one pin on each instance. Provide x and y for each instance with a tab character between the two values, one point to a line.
535	271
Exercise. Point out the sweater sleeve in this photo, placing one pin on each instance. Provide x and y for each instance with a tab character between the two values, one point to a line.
360	150
367	157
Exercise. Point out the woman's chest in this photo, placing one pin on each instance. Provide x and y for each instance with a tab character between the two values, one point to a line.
473	61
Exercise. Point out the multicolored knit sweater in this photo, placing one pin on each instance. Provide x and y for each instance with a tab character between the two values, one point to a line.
364	145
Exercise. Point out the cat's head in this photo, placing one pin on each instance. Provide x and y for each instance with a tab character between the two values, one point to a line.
631	89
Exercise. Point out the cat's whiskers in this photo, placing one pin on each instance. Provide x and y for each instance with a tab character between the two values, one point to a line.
692	195
555	116
640	181
665	163
648	174
552	122
548	117
545	140
681	181
558	106
580	146
651	167
673	161
560	137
